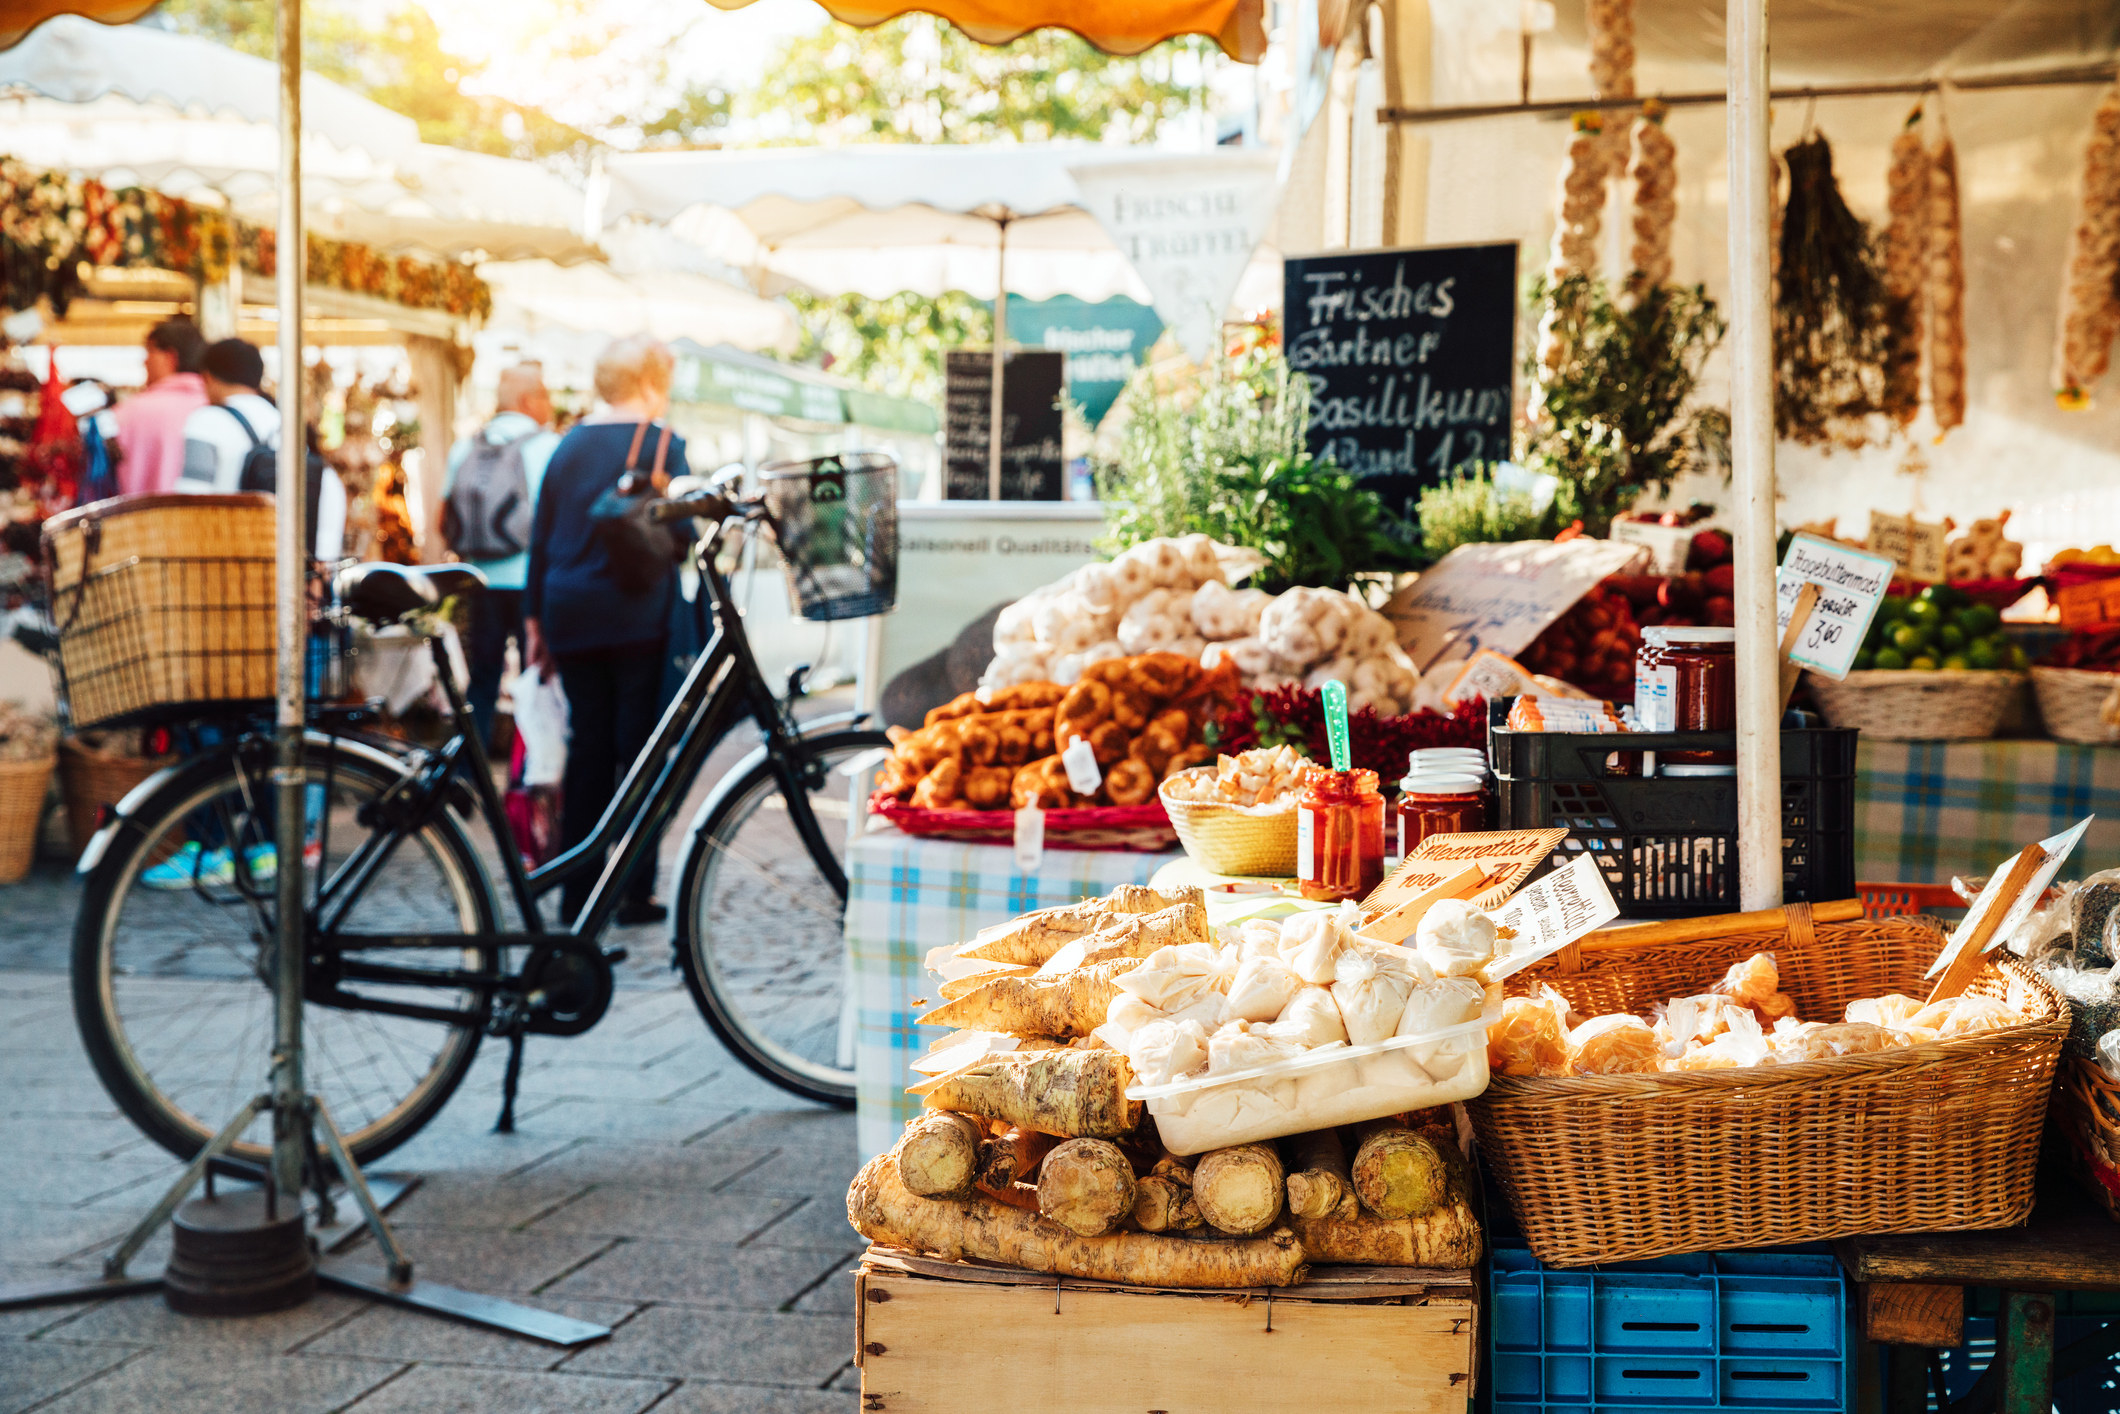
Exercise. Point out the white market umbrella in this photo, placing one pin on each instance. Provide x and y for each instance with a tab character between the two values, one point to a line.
537	297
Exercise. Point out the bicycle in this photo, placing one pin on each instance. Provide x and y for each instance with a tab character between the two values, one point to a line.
408	968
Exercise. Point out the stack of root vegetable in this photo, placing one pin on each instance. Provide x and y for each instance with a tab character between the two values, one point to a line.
1030	1154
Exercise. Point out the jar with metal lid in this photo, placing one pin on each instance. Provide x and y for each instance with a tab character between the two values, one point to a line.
1339	834
1703	667
1439	803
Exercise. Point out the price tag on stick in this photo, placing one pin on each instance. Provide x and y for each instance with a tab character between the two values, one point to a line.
1851	584
2011	894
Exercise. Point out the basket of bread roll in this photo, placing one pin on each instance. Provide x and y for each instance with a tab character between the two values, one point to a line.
984	755
1238	816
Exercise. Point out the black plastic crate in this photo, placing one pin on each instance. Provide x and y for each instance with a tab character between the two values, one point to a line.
1668	845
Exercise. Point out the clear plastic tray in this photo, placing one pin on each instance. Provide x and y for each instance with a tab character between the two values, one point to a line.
1336	1084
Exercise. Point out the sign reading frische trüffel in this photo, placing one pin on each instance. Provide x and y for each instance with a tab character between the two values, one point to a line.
1410	355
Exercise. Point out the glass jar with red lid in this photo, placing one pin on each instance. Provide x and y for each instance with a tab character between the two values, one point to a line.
1439	803
1339	834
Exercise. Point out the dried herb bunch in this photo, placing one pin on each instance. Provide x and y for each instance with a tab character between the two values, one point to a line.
1832	324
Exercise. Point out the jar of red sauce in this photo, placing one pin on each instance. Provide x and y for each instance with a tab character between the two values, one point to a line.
1439	803
1339	834
1702	663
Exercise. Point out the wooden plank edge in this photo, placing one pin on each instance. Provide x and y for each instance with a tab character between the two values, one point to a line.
1325	1283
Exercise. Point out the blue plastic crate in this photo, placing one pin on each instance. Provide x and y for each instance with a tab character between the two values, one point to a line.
1768	1331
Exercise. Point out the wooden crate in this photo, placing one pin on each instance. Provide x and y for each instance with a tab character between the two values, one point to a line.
943	1338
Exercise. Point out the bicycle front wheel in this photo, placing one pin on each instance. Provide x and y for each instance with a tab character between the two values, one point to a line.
174	951
761	925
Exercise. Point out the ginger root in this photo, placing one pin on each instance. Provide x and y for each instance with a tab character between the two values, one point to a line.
1064	1004
1239	1189
1399	1174
938	1155
1086	1186
1073	1094
1320	1184
980	1229
1032	939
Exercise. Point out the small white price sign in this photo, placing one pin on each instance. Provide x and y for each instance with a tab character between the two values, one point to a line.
1851	584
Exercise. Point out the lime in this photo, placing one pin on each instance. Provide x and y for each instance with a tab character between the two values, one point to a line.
1950	638
1910	638
1866	659
1956	663
1922	611
1891	607
1979	620
1984	656
1943	596
1889	659
1922	664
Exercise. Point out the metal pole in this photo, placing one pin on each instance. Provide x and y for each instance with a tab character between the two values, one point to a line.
994	423
1752	455
291	574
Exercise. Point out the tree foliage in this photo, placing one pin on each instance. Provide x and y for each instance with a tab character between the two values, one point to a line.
890	345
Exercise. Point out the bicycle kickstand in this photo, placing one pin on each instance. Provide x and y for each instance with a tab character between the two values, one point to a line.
511	1078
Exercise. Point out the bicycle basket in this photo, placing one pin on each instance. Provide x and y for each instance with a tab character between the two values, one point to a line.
836	520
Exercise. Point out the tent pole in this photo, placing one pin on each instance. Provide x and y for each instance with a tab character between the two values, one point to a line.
289	1132
994	423
1752	454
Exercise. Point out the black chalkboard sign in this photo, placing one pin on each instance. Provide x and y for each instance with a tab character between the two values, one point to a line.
1030	424
1410	356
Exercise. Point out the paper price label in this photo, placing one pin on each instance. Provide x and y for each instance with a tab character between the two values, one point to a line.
1851	584
1084	776
1030	838
2058	848
1550	914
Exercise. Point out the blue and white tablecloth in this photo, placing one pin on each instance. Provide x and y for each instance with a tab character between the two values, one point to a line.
1925	810
907	895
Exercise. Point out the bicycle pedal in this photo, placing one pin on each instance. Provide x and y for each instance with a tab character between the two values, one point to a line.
615	956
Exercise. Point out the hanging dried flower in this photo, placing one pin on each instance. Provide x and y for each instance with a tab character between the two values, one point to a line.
1906	268
1830	332
2090	309
1655	174
1946	290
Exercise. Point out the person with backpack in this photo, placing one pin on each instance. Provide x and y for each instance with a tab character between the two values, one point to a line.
233	444
488	497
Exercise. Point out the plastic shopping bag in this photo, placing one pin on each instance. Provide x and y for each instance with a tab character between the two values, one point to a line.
540	712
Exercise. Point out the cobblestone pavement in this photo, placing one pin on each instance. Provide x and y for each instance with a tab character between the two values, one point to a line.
652	1185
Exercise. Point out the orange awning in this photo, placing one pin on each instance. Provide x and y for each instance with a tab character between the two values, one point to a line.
19	17
1115	26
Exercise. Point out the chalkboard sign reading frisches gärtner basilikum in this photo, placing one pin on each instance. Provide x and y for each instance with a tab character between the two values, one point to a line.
1409	354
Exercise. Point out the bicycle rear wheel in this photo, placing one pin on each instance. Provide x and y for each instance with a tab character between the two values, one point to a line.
761	928
173	958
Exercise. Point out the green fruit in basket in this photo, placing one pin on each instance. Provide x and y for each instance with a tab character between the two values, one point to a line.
1979	620
2019	660
1891	607
1889	660
1943	596
1866	659
1950	638
1922	664
1910	638
1983	656
1925	612
1956	663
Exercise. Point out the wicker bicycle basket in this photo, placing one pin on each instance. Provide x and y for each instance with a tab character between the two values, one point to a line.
1928	1138
162	604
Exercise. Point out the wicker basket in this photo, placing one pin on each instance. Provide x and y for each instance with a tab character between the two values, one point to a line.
1919	706
162	603
1230	839
91	778
1138	829
23	787
2087	1116
2074	704
1929	1138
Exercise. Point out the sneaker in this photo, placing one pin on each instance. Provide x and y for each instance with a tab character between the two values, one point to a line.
191	865
264	862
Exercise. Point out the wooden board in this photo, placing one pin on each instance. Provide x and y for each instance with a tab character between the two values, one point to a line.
929	1346
2069	1244
1322	1283
1913	1313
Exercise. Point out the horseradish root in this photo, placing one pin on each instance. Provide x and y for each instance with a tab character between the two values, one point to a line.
1086	1186
1064	1004
938	1155
1163	1199
1032	939
1073	1094
1239	1190
1397	1173
1320	1184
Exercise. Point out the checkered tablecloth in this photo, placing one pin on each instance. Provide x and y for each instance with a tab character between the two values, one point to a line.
907	895
1925	810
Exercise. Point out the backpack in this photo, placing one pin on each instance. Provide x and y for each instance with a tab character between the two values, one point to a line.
487	515
261	471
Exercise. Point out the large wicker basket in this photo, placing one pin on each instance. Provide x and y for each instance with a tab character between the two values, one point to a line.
1919	706
2087	1115
1928	1138
1230	839
162	603
23	788
91	777
2075	704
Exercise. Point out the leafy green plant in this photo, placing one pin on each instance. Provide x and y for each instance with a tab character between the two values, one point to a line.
1226	457
1616	419
1471	510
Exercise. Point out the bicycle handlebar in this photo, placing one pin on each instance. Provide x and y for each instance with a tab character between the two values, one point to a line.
707	505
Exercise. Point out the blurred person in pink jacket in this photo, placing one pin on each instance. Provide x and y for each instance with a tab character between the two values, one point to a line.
151	421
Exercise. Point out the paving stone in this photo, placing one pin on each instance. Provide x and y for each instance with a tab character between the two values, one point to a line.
834	1296
741	1347
44	1232
385	1332
820	1130
146	1320
497	1263
700	1274
700	1397
64	1182
33	1370
819	1224
473	1203
431	1388
798	1171
216	1382
634	1123
479	1152
654	1084
75	1137
695	1167
623	1209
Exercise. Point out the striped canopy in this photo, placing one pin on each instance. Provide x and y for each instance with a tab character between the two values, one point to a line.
1115	26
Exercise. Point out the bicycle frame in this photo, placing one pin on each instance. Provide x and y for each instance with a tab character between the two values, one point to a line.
724	686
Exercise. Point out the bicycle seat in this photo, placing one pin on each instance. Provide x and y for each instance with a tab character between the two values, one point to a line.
384	593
